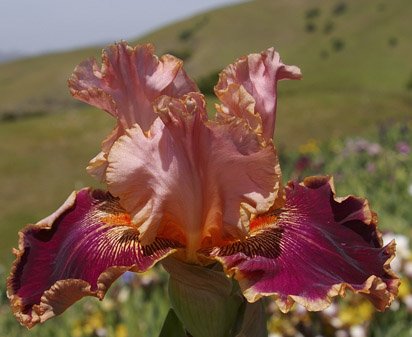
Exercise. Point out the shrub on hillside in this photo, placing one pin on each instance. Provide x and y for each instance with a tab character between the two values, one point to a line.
207	83
329	27
339	8
184	54
310	27
337	44
312	13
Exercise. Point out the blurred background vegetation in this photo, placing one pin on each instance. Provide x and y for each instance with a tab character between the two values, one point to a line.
349	117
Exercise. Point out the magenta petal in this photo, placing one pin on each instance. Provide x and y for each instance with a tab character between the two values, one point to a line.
312	249
79	250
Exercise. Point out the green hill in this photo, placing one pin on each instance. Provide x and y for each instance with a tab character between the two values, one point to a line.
355	57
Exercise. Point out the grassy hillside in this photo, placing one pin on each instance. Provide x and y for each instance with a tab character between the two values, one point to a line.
355	57
42	161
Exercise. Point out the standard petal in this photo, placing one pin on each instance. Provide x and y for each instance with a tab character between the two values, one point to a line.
247	89
129	80
189	177
126	85
313	249
238	103
98	165
77	251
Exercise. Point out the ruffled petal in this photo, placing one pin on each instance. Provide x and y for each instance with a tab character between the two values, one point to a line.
126	85
98	165
247	89
77	251
129	80
312	249
191	178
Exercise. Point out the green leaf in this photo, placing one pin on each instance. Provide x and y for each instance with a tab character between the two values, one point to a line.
172	327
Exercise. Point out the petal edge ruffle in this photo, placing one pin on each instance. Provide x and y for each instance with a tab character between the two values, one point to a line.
77	251
247	89
125	85
312	250
185	173
128	81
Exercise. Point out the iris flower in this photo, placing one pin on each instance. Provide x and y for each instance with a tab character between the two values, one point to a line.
197	190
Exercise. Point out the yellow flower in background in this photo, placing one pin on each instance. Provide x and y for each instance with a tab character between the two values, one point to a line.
121	330
278	325
94	322
404	288
77	331
88	326
310	147
356	314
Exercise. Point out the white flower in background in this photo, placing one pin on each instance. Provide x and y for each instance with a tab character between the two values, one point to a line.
408	302
336	322
407	269
273	334
300	310
357	331
402	246
123	295
331	311
359	145
395	305
402	249
410	189
396	264
101	332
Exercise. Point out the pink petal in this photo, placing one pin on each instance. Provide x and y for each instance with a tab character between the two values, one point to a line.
312	249
126	85
77	251
247	89
129	80
192	176
98	165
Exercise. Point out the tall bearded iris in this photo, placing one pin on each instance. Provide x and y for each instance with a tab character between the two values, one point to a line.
196	191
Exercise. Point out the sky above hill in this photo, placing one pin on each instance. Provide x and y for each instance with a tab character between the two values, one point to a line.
32	27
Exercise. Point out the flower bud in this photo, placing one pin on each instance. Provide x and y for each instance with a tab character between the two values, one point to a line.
208	303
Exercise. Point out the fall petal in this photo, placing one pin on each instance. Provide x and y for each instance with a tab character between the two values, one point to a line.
247	89
191	175
312	249
77	251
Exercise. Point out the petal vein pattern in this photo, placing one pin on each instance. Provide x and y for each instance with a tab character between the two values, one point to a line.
312	249
192	175
78	251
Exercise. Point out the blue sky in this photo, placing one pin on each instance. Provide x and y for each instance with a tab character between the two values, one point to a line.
37	26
